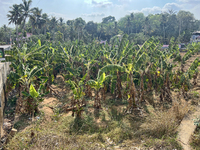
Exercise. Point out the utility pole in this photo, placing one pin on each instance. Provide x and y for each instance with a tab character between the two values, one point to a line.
10	38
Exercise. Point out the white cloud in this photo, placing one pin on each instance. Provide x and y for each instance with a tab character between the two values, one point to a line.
192	6
93	15
152	10
125	0
173	6
188	1
155	9
99	3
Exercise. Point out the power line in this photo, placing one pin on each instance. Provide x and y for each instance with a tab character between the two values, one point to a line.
38	2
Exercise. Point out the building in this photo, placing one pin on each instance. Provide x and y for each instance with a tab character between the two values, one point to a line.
195	37
27	36
3	48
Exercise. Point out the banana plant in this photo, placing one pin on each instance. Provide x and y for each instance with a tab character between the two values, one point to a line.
116	83
50	65
192	72
97	85
181	80
89	65
34	98
182	60
27	55
78	100
24	81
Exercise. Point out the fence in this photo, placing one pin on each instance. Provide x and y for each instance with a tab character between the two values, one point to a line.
4	71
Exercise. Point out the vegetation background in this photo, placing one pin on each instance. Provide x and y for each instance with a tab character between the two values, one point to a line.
139	27
67	89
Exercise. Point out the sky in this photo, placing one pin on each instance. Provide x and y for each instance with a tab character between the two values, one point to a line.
95	10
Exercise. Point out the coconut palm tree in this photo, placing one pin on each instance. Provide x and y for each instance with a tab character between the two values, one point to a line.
6	31
79	25
37	19
70	23
26	11
53	25
128	24
46	20
14	16
33	23
62	26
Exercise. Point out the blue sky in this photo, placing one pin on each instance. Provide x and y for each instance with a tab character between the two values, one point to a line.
97	9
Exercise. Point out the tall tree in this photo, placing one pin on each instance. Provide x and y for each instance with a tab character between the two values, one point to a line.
46	20
70	23
53	25
116	28
132	19
26	11
62	26
146	26
185	19
128	24
39	21
6	33
14	16
91	28
108	19
79	25
101	30
163	25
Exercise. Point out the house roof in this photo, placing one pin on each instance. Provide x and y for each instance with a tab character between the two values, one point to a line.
196	32
5	47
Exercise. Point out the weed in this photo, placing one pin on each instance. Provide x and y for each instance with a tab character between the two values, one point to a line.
116	114
56	115
195	139
168	143
164	123
22	123
118	134
103	117
195	94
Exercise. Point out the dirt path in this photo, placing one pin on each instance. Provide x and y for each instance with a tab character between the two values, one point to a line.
187	128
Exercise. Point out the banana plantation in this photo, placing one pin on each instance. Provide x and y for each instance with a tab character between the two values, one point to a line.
121	81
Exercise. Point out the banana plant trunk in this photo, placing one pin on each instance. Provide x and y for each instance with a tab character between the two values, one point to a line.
119	86
97	102
33	118
132	93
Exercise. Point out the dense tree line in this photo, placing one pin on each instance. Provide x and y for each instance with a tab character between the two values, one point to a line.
138	26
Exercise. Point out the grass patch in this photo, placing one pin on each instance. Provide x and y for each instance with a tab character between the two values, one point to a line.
112	127
195	94
167	143
164	123
195	139
23	121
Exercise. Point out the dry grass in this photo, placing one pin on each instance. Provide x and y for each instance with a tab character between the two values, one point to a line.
163	144
154	129
164	123
67	132
49	136
112	128
195	139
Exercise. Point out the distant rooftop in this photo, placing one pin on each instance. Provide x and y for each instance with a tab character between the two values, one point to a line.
5	47
196	32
